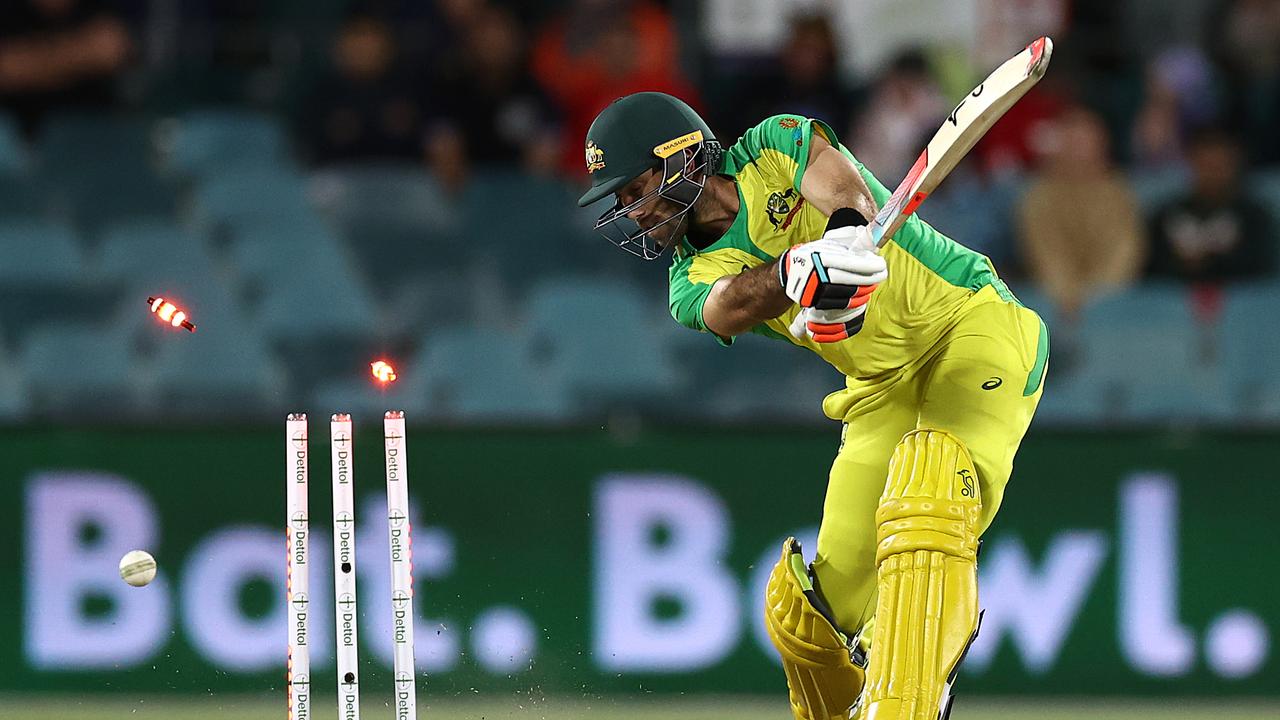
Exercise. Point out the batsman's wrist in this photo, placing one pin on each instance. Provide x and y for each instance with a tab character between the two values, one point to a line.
845	217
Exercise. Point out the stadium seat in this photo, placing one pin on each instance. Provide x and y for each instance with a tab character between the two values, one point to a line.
37	252
601	339
44	278
525	225
248	194
755	380
96	142
473	373
1069	400
314	309
262	249
22	199
205	142
403	232
404	193
151	247
14	158
13	389
1154	188
1265	187
1250	349
102	168
1144	358
218	369
317	296
80	370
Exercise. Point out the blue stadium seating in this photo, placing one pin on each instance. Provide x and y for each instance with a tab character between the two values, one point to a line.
21	198
601	339
1154	188
484	374
263	249
402	230
754	379
1068	400
14	158
297	281
526	226
145	248
217	370
1250	349
205	142
35	252
19	195
403	193
317	295
102	168
1265	186
14	401
44	278
1144	357
81	370
249	194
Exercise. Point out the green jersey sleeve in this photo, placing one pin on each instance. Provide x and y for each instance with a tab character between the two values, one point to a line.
692	276
687	295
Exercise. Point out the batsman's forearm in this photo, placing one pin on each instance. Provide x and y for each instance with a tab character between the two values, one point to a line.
832	182
738	303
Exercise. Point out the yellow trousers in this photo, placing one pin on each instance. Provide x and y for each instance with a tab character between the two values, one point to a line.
982	383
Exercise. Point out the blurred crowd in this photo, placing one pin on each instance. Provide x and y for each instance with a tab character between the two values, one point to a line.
1134	159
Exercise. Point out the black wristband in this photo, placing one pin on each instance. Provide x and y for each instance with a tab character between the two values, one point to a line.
845	217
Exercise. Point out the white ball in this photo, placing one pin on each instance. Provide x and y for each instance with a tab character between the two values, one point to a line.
137	567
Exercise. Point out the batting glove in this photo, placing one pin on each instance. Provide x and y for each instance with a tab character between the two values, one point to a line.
828	326
828	273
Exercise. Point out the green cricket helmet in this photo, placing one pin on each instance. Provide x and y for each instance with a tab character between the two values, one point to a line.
640	132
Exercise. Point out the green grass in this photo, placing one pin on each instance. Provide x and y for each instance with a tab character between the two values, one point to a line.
258	708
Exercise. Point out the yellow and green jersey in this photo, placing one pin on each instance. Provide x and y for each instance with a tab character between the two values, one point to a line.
932	279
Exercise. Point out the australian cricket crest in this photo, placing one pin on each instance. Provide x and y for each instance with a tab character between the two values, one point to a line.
595	157
781	206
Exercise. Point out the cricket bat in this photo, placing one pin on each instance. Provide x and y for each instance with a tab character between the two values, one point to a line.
971	119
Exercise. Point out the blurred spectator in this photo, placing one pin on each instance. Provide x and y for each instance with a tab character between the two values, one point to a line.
1079	227
600	50
495	109
902	113
367	107
1179	98
59	54
1246	39
803	79
430	32
1003	26
1216	232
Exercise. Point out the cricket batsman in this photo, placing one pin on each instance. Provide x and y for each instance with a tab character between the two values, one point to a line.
943	369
